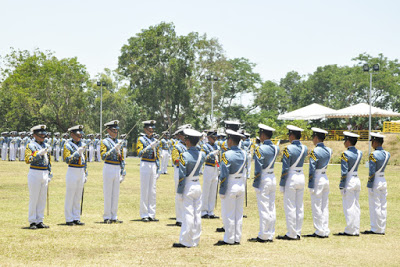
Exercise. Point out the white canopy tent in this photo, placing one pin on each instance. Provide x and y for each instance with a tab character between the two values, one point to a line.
310	112
361	110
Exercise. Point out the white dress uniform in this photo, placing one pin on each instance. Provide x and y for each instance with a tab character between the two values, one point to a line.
91	148
38	156
318	184
12	147
292	185
377	188
56	147
210	178
232	191
113	173
74	156
4	145
189	189
265	186
350	187
148	152
164	155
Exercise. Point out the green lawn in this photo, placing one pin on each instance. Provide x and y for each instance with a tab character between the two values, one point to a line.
135	242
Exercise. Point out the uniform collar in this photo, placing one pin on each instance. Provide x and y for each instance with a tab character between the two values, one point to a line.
321	144
379	148
353	148
234	148
267	142
296	142
193	148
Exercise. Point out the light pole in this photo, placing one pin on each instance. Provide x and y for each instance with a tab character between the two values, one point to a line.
366	68
212	79
101	84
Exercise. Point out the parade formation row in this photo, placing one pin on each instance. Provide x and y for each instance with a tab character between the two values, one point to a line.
225	162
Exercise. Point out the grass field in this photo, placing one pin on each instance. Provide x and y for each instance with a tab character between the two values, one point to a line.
135	242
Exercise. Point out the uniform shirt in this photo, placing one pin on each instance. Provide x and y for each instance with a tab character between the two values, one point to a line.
62	142
290	155
263	155
3	140
376	161
109	154
348	159
179	148
164	144
37	162
18	140
187	162
246	145
231	161
319	158
146	154
71	155
207	148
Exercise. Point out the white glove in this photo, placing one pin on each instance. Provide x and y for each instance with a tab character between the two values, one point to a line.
258	191
154	144
342	191
42	151
282	189
312	191
370	190
81	150
119	145
49	177
215	152
180	196
122	178
222	196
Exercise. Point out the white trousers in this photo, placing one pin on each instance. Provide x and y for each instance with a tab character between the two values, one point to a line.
148	177
293	203
37	185
124	151
164	161
22	153
111	176
266	207
91	153
98	153
232	210
319	205
178	200
12	152
210	182
4	151
351	205
248	168
57	153
74	187
191	223
378	205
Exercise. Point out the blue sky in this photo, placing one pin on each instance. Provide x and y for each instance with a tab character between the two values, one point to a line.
279	36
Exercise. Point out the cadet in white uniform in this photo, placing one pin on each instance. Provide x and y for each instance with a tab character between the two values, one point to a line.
147	151
350	185
4	145
113	171
318	184
210	176
377	186
232	189
38	156
189	189
74	156
265	184
164	153
292	184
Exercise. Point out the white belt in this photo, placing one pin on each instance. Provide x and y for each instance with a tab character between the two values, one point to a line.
267	171
379	174
194	179
352	174
320	171
296	169
238	176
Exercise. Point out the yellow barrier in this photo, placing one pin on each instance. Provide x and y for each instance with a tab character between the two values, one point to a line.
337	135
391	127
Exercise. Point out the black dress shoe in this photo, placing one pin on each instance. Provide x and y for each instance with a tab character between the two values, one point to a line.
78	222
42	225
116	221
285	237
178	245
178	224
244	216
153	219
32	226
369	232
107	221
222	243
213	217
70	223
315	235
205	216
257	239
220	230
146	219
236	243
346	234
